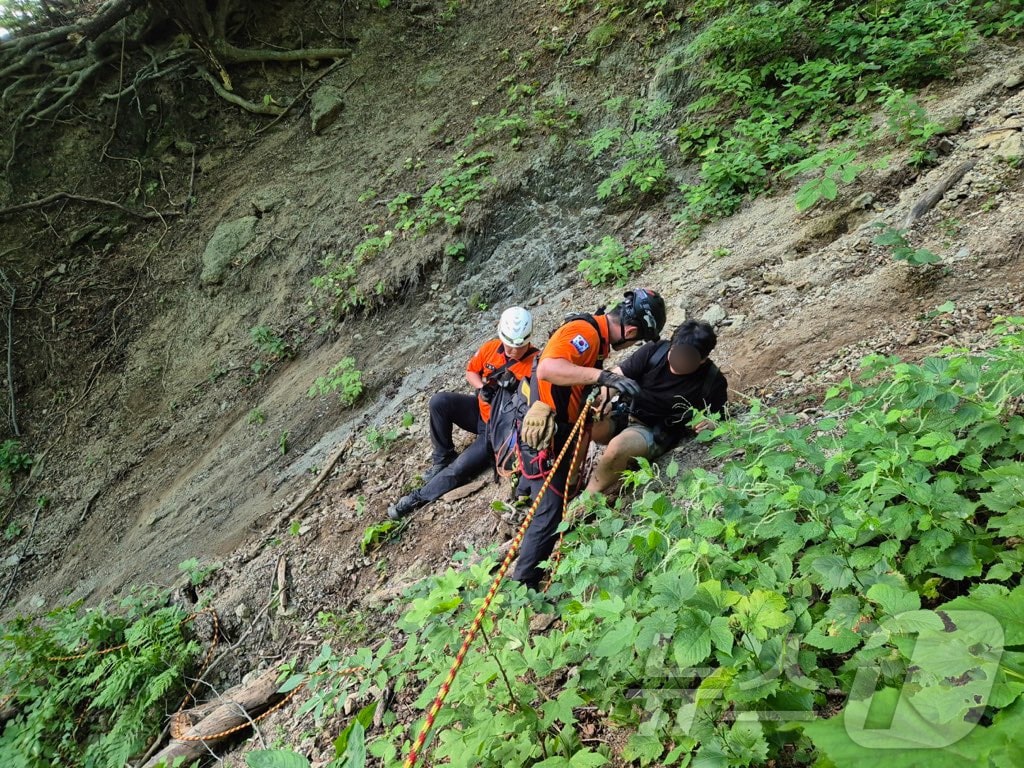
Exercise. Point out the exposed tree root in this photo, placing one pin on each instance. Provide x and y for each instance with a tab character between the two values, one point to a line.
234	55
238	101
302	94
7	286
43	201
49	69
156	68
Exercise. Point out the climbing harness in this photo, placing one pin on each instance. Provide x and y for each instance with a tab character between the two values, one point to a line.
474	627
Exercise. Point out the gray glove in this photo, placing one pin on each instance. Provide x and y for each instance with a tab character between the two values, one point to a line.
624	384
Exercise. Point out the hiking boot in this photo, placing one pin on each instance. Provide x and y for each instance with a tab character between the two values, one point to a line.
404	506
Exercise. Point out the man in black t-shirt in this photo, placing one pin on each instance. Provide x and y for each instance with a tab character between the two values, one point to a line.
676	379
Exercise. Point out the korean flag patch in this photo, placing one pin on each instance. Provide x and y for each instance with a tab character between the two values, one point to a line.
580	344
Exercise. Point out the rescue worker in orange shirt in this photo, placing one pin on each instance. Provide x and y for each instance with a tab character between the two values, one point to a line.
569	364
500	362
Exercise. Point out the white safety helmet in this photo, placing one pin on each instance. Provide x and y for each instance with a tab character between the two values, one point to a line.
515	326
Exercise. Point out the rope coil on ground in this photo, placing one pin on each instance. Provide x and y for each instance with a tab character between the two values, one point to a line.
474	627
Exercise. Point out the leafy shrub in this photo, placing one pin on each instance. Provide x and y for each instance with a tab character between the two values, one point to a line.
999	17
840	166
269	343
640	170
12	461
800	73
379	533
735	618
343	378
908	122
608	262
902	250
379	439
91	709
444	203
197	572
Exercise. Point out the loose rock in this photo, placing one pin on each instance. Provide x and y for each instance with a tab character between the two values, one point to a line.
715	314
228	241
325	106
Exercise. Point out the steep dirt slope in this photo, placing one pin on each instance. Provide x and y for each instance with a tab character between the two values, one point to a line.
804	297
159	461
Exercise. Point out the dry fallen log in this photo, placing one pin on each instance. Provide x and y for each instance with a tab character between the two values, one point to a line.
931	198
235	708
284	608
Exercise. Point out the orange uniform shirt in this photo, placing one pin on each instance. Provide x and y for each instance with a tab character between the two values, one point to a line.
578	342
489	358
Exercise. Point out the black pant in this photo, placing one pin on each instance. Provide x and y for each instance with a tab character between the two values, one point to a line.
446	410
542	534
477	457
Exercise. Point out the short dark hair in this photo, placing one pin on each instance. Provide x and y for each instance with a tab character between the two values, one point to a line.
697	334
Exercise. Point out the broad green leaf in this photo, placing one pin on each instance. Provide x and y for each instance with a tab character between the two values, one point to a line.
1007	610
890	237
691	647
721	634
958	562
673	588
833	572
587	759
560	708
608	607
808	194
291	683
620	637
655	627
746	742
643	747
855	739
892	600
761	611
362	721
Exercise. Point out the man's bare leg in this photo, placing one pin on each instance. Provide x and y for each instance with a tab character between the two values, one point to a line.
616	457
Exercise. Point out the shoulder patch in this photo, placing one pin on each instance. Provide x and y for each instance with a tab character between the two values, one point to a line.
579	343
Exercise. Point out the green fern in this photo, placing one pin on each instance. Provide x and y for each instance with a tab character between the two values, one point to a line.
93	711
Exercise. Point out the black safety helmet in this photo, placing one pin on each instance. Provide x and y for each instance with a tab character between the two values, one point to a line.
644	309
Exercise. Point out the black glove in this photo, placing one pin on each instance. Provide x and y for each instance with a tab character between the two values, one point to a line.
486	392
624	384
507	380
